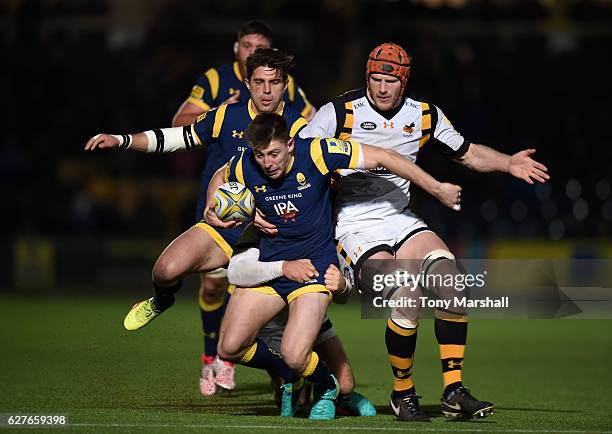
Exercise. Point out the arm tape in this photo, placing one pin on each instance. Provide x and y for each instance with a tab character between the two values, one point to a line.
246	270
170	139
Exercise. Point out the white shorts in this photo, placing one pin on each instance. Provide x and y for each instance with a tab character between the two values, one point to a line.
360	240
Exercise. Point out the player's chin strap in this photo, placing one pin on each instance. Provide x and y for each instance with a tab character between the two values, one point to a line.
170	139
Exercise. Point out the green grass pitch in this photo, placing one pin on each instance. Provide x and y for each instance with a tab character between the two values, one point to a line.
70	355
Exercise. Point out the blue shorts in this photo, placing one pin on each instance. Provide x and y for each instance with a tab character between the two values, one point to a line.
289	290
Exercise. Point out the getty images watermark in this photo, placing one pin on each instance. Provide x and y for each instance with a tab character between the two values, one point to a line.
451	291
494	288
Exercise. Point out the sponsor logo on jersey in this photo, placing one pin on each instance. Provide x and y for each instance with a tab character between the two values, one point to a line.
286	210
388	124
336	146
232	91
359	105
260	188
409	128
201	117
237	134
367	125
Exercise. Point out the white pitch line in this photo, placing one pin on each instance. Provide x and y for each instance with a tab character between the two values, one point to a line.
334	428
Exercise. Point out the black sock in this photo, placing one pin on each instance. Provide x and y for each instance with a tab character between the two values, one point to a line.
164	295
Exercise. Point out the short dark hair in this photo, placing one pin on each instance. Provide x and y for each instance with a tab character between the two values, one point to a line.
255	27
271	58
265	128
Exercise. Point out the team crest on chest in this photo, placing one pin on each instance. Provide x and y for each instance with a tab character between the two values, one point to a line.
409	128
301	179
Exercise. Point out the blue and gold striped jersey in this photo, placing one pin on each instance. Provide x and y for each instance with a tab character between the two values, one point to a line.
222	130
298	204
218	84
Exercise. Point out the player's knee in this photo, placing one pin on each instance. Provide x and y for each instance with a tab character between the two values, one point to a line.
294	358
166	271
231	349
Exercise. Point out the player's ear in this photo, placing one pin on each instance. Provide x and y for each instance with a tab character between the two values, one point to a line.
291	144
236	47
247	84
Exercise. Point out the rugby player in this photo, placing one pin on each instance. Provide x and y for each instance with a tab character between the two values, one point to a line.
289	180
217	86
220	132
375	222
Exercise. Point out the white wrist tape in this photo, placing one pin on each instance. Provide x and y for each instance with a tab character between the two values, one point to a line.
125	140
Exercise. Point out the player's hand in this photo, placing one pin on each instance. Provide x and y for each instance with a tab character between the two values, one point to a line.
233	99
449	195
334	280
262	224
300	270
101	141
522	166
211	217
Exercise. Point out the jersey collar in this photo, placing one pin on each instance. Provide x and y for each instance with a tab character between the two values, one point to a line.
387	114
289	167
253	111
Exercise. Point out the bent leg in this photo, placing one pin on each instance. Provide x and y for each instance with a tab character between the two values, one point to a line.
192	251
333	354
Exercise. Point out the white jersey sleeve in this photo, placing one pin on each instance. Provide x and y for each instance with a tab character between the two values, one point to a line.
323	124
453	143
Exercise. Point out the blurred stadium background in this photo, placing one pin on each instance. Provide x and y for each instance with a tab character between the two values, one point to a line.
510	74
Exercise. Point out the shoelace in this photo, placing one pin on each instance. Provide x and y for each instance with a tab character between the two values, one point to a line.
412	401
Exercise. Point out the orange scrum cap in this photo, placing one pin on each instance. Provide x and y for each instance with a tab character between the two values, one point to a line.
389	59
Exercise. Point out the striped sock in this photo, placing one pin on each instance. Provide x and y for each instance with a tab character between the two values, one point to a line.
212	314
260	356
451	333
318	373
401	344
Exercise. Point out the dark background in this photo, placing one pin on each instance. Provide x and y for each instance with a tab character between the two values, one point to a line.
510	74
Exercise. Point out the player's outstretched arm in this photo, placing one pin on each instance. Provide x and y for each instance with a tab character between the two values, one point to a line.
520	165
152	141
448	194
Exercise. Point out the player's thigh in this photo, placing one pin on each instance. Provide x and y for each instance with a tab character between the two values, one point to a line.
418	246
306	314
247	312
192	251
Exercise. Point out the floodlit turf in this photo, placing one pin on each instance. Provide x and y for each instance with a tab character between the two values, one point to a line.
71	356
